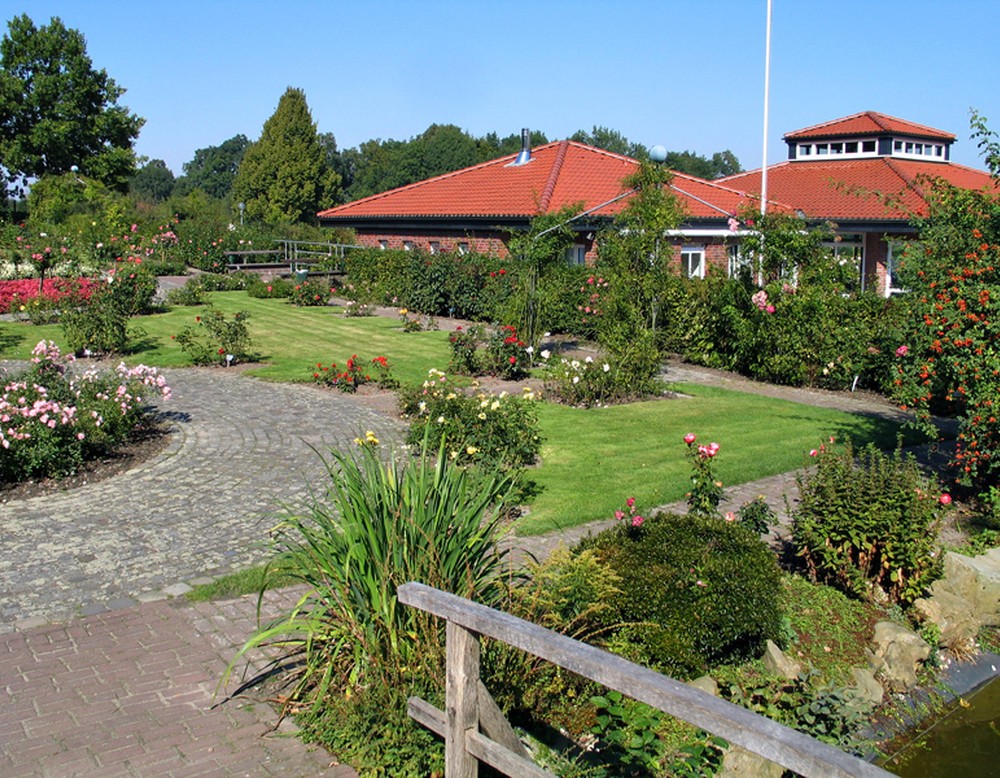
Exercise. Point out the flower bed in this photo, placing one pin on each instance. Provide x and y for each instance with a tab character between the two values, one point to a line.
53	289
51	421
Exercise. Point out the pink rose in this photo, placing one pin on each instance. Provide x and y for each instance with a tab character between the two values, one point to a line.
945	499
902	350
689	438
630	502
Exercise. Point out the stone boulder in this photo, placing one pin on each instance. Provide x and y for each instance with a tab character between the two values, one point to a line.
953	616
897	653
780	665
865	692
740	763
974	580
707	684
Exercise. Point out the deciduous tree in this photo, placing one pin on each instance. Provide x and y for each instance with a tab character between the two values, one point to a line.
57	111
213	168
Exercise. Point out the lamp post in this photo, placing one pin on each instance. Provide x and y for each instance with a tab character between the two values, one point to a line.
242	207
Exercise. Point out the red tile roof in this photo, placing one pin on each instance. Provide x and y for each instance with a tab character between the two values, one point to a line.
868	123
875	189
563	173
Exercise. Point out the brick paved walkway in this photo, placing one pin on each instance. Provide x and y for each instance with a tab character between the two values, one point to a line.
132	693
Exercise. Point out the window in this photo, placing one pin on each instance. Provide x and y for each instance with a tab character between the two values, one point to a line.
847	148
383	244
463	248
407	245
740	261
895	253
435	247
576	254
848	250
693	261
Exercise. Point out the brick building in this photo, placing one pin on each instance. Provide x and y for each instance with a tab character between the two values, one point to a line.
866	173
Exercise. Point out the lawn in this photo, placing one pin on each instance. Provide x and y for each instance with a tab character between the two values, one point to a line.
592	460
290	340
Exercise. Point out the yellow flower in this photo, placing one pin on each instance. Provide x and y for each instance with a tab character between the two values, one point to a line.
482	416
495	405
471	450
370	438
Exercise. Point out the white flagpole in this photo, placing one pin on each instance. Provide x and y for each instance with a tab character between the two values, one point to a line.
767	88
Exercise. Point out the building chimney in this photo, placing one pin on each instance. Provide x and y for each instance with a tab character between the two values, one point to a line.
524	155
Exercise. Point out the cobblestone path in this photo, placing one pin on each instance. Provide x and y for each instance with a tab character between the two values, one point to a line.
201	507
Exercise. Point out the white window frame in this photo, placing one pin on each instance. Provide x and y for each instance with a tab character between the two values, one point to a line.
576	255
407	245
383	244
463	248
434	246
688	255
899	247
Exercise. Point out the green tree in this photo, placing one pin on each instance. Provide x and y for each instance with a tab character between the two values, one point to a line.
284	176
636	258
722	163
57	111
154	181
213	168
610	140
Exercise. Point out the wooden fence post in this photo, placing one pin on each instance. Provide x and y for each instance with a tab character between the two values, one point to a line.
461	701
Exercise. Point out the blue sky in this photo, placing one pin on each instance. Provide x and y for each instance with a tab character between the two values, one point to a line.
687	74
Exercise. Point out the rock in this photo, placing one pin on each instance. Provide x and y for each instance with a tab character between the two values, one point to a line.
901	652
707	684
740	763
866	692
975	580
952	615
778	664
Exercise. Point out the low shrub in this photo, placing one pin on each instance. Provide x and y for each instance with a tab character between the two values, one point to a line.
354	374
225	282
465	350
54	421
102	326
270	289
500	353
868	524
216	340
499	430
695	591
310	293
191	294
353	308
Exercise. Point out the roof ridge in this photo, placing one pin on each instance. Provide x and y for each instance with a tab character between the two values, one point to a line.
838	120
550	184
406	187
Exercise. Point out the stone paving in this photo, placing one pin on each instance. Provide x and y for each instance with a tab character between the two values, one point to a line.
201	507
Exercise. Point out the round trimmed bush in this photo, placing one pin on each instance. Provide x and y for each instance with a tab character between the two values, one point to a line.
694	591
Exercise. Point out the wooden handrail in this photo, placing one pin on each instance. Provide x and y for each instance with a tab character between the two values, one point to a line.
468	620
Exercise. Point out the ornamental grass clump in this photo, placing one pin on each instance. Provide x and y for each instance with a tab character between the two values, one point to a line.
867	523
52	421
379	523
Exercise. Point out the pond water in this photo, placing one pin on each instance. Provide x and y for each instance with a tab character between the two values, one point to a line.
965	742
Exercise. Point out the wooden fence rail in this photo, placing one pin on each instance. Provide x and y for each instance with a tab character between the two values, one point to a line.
475	731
